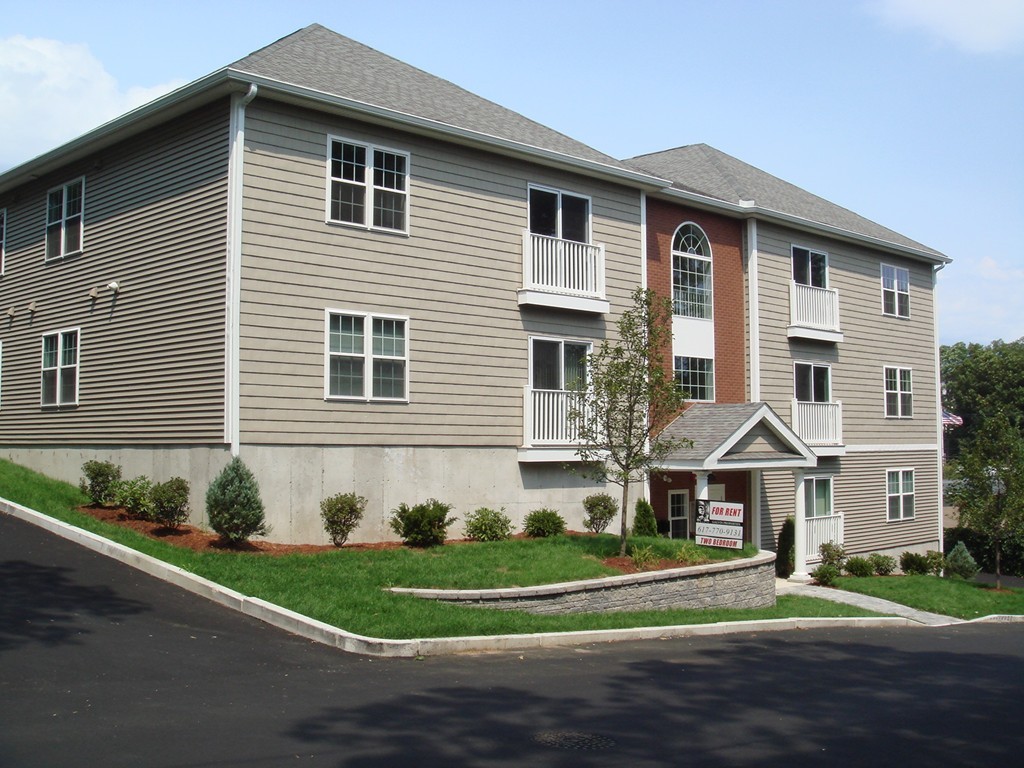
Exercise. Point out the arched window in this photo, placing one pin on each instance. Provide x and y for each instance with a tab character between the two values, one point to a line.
691	272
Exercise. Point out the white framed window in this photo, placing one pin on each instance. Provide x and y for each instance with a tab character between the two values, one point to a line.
817	497
895	291
679	514
696	375
368	186
367	356
810	267
558	364
65	212
899	493
812	383
558	214
59	384
899	393
691	273
3	240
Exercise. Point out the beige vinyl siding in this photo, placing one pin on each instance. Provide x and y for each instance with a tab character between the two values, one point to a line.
151	359
455	276
871	340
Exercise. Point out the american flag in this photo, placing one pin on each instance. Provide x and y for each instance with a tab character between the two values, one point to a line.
950	420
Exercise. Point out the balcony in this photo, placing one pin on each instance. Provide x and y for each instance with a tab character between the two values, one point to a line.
820	425
547	433
822	530
813	313
563	274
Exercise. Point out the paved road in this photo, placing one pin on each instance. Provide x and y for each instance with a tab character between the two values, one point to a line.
102	666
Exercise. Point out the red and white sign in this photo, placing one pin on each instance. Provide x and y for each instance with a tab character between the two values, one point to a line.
725	512
711	541
719	524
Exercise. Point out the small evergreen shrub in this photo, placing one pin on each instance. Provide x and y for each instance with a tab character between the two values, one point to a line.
936	562
960	564
859	566
100	481
422	525
136	496
541	523
785	554
826	574
914	564
170	502
485	524
833	554
644	521
642	557
883	565
601	508
341	514
233	504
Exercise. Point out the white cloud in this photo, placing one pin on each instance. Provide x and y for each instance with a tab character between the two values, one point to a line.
975	26
51	92
979	301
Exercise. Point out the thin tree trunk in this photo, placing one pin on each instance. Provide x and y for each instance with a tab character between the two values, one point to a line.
999	580
625	528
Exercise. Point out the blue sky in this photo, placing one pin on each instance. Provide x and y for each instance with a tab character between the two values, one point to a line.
909	112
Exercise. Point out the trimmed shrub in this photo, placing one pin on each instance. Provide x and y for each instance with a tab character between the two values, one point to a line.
541	523
644	521
100	481
601	508
488	525
170	502
233	504
826	574
422	525
785	554
136	496
960	564
914	564
833	554
883	565
341	514
859	566
642	557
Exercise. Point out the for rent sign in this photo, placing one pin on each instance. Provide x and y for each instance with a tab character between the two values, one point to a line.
719	524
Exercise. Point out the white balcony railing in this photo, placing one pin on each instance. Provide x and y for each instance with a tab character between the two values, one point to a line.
815	308
563	266
546	417
821	530
818	423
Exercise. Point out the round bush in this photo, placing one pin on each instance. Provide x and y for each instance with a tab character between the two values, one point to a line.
826	574
341	514
423	525
170	502
233	504
136	497
859	566
488	525
883	565
644	521
100	481
541	523
914	564
601	509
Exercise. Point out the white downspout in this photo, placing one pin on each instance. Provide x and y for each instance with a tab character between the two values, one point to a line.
236	156
755	313
643	281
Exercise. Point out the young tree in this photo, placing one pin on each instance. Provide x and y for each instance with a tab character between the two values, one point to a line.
990	492
627	398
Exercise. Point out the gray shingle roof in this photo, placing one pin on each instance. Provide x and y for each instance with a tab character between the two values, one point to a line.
707	171
318	58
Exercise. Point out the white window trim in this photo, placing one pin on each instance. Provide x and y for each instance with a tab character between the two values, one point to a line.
711	270
63	221
560	192
561	341
369	186
59	368
896	291
813	479
792	258
888	495
714	382
685	493
815	364
368	356
899	399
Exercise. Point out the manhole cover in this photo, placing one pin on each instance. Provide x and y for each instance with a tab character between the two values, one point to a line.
573	740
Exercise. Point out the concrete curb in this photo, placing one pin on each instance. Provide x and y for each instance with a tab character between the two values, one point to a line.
318	631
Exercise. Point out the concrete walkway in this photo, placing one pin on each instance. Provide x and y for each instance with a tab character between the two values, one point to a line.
877	604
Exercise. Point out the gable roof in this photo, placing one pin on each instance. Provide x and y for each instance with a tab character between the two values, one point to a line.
710	173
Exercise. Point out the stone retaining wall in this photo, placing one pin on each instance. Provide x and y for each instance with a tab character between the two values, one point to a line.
746	583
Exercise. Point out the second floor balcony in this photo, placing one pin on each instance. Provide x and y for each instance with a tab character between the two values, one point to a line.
820	425
814	313
563	274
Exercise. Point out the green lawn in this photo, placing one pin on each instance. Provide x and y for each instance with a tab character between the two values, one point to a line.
347	588
949	597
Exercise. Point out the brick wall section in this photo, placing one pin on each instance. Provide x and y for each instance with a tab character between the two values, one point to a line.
747	583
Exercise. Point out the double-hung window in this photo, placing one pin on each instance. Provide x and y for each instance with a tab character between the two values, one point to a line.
899	493
817	497
696	376
559	215
367	357
679	514
895	291
65	207
369	186
899	393
810	267
691	273
558	365
812	383
60	368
